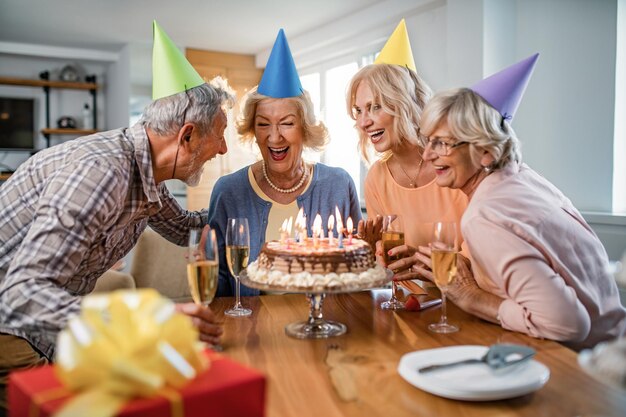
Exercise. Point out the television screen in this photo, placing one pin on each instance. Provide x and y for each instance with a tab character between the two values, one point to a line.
17	127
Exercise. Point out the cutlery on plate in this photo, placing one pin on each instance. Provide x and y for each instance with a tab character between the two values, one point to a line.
496	357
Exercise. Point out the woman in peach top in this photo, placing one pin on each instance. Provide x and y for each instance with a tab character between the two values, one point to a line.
386	101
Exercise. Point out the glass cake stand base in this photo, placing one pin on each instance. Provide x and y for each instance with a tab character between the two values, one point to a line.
315	327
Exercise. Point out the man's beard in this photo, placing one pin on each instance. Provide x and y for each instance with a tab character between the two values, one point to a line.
194	179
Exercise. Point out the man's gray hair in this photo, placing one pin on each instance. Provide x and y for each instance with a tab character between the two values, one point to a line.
198	105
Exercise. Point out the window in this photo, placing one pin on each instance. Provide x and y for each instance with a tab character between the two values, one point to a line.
327	86
342	149
311	83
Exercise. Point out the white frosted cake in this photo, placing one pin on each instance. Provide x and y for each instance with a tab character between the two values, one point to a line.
317	267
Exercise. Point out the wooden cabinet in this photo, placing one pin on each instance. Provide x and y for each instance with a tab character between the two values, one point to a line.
242	74
90	85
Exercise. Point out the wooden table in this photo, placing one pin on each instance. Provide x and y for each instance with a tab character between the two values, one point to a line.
355	374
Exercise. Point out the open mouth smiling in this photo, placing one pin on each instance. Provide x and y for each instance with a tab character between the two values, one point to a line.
278	154
376	135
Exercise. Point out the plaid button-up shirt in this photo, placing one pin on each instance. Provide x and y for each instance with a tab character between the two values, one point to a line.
66	216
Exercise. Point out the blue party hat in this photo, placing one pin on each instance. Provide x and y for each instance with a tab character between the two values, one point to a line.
504	89
280	78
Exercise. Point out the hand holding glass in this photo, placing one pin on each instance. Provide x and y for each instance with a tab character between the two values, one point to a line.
237	253
444	247
392	236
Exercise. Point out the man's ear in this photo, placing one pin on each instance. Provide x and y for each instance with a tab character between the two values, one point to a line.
184	134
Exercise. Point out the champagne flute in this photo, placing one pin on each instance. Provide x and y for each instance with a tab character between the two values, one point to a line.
202	265
392	236
444	247
237	253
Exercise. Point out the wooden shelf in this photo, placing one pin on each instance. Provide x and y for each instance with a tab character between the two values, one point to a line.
46	83
4	177
47	86
68	131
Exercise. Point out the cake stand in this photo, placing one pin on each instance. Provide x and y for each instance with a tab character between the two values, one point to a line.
316	327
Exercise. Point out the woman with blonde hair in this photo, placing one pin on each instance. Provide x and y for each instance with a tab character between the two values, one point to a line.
386	101
279	116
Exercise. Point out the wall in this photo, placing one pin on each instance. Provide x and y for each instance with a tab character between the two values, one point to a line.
571	97
566	123
566	120
117	90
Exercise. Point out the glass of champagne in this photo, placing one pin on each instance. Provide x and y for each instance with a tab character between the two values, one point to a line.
392	236
237	253
202	265
444	247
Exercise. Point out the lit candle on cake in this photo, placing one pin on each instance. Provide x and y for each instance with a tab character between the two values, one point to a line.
349	227
339	226
283	232
317	229
331	226
289	224
300	229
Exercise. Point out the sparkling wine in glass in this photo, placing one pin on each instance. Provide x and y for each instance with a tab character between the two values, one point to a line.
202	265
392	236
237	253
444	248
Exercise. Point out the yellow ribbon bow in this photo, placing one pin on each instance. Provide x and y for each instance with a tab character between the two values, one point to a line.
124	345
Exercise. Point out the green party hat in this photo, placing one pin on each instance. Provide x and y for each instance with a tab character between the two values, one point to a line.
171	72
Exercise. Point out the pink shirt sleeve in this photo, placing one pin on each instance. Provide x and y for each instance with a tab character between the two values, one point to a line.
537	301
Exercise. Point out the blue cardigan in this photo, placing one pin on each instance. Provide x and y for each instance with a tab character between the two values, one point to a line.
233	196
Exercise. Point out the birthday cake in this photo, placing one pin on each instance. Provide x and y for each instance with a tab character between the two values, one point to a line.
318	265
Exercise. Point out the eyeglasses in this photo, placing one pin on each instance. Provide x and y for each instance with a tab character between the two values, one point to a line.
440	147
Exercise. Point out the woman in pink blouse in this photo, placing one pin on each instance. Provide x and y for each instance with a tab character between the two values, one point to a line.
537	267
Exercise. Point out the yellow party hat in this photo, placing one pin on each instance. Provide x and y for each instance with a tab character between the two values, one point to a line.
397	50
171	72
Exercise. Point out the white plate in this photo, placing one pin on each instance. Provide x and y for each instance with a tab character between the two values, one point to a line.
474	382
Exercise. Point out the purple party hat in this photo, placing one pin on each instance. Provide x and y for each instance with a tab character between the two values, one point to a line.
504	89
280	78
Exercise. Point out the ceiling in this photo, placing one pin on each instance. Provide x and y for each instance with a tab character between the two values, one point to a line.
240	26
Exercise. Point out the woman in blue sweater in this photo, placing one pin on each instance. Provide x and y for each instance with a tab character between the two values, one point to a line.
279	116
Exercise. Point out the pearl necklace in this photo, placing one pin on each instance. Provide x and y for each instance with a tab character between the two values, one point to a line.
412	181
288	190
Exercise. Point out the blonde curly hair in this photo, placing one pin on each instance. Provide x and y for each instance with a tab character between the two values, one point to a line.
315	132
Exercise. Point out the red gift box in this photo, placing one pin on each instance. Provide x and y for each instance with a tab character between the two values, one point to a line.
227	388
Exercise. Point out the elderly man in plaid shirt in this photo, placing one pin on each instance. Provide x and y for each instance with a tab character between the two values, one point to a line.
71	211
